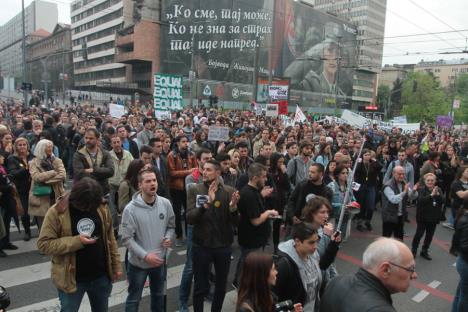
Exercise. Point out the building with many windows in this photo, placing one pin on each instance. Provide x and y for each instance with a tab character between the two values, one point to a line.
38	15
369	17
446	71
49	61
94	27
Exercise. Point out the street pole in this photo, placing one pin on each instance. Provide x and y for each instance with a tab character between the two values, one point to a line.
272	49
191	73
63	79
338	68
255	74
23	47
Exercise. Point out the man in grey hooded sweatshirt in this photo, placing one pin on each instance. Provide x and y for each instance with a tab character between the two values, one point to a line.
148	225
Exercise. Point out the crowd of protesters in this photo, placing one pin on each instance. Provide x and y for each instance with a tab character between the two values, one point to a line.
150	184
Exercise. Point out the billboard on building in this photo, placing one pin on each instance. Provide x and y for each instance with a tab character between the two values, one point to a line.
225	41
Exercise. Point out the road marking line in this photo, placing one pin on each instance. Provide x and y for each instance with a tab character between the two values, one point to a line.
33	273
118	295
420	296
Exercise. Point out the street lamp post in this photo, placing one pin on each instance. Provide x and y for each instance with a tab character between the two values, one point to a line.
23	47
389	102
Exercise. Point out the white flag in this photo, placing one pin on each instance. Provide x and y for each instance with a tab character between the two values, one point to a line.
299	116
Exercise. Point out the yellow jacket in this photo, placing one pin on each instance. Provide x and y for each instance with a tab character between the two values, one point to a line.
56	240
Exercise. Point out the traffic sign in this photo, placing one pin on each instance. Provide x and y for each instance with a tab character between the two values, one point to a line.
207	91
26	86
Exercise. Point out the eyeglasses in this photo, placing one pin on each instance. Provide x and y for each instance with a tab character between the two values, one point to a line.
411	269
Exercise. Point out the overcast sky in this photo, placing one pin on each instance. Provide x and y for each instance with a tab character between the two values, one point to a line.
403	18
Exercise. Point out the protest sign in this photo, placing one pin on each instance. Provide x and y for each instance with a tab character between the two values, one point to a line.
354	119
116	110
271	110
444	122
216	133
167	92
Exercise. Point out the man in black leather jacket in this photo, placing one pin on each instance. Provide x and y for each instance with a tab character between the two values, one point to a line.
388	266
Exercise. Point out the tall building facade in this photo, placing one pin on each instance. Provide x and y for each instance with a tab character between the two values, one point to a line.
49	60
38	15
94	27
369	17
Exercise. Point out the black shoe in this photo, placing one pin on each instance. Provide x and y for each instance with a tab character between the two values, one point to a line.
443	218
360	228
368	226
26	237
425	255
3	254
10	246
407	220
414	252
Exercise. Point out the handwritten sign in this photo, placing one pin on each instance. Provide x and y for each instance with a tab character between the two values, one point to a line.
116	110
216	133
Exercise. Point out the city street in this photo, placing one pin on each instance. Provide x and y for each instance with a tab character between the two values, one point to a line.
26	275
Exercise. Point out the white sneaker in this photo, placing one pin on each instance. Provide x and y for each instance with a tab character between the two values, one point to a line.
448	225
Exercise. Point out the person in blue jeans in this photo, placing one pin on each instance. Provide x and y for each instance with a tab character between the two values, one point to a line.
187	274
148	225
212	210
77	232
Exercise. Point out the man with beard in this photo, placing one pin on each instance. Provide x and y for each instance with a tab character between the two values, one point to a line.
306	190
212	210
147	231
180	163
245	161
298	166
94	162
228	173
254	225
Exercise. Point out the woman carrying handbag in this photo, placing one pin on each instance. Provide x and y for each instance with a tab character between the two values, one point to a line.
48	175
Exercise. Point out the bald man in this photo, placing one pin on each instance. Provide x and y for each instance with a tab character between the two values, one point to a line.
396	192
387	268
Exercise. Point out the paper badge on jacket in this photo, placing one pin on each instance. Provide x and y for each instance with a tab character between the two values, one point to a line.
201	200
355	186
85	227
310	197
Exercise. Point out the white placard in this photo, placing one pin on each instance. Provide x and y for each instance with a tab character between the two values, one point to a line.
400	119
258	109
116	111
279	92
271	110
354	119
407	128
218	134
162	114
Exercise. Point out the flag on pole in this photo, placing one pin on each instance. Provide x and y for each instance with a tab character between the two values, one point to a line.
299	116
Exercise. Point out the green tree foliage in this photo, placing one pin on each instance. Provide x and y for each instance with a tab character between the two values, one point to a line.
423	98
383	94
461	114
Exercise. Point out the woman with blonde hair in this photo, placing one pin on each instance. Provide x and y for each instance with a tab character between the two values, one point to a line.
48	175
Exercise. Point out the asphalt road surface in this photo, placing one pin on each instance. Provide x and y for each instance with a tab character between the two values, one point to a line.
26	275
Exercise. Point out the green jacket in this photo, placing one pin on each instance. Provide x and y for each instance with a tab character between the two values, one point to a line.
56	240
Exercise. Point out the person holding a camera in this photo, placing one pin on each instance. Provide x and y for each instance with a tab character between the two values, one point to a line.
257	278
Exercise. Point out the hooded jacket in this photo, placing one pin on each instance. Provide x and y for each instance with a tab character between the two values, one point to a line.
298	280
144	227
